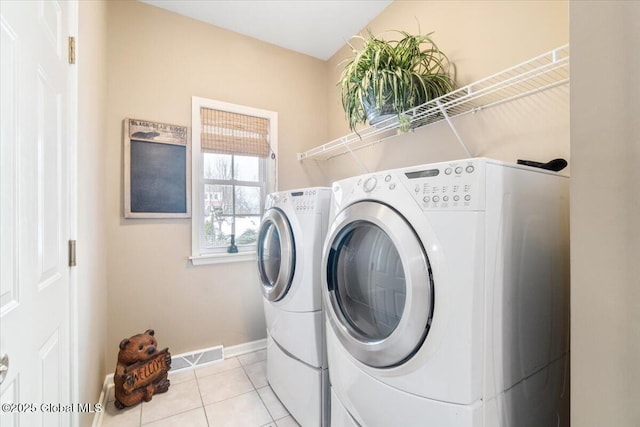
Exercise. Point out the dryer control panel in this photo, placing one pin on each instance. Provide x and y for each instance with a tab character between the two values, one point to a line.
447	186
457	185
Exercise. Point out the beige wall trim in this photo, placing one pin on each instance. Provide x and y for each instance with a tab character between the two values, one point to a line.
222	258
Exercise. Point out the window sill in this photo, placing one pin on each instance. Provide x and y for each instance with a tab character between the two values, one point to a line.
222	258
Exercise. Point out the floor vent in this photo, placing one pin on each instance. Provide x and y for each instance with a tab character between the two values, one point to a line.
200	357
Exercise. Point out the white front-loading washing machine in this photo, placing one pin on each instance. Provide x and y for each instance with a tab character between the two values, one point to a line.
290	243
446	294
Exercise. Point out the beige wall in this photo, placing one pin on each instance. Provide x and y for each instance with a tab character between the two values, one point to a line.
480	38
157	61
92	237
605	214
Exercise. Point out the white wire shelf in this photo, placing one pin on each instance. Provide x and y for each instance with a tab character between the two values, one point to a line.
538	74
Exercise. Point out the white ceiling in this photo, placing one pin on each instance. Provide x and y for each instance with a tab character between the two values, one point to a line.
314	27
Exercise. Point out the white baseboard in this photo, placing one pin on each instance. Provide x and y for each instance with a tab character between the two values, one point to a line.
228	352
103	399
248	347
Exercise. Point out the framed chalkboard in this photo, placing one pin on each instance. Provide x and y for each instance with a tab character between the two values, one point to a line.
157	170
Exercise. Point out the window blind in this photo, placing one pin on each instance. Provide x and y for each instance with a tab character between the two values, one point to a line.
234	133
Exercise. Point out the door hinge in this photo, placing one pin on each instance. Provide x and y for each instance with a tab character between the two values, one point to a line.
72	253
72	50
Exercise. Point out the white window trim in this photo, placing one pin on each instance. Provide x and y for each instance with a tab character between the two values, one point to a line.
197	200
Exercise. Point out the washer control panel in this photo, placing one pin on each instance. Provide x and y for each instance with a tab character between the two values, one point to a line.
457	185
305	200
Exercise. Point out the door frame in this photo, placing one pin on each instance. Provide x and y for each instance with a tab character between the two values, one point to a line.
74	303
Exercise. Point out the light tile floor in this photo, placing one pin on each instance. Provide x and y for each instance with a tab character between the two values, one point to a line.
234	392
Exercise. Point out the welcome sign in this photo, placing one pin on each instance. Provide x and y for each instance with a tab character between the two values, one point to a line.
141	374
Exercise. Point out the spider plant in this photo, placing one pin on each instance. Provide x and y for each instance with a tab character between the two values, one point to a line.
388	77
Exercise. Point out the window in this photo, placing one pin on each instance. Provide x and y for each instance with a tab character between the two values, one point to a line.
234	168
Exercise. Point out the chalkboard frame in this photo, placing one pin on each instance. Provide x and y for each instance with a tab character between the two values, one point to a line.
153	142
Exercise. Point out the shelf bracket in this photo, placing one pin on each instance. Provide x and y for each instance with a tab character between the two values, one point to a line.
345	143
453	128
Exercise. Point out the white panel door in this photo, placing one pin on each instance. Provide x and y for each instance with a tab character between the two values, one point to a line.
34	176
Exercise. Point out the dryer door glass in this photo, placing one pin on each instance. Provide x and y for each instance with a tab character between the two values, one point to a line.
379	286
371	285
276	254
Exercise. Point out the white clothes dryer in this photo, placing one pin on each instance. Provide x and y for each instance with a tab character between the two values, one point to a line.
446	294
290	243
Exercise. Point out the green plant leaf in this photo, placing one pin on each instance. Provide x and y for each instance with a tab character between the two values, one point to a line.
404	73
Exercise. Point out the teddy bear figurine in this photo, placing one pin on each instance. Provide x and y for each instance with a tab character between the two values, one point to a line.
142	370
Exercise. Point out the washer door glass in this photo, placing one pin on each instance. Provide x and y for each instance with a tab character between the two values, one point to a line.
379	286
271	254
276	255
